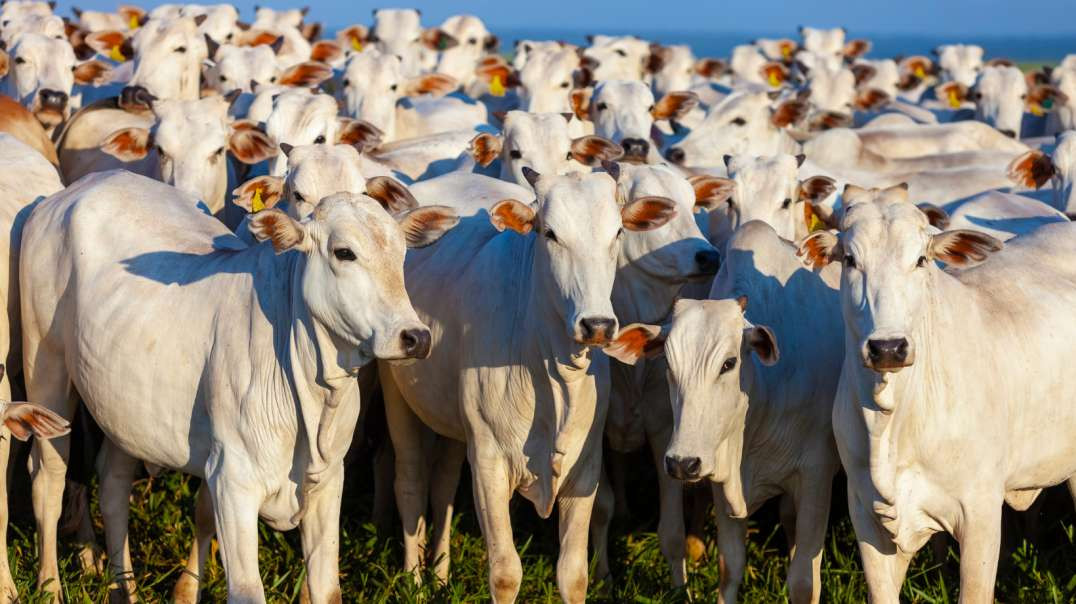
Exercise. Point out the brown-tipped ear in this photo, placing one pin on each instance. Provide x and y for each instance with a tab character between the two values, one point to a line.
937	217
353	37
129	144
863	72
789	113
5	63
854	49
761	340
593	150
1043	98
281	229
392	195
424	226
711	191
110	43
512	214
952	93
580	100
819	249
251	145
485	148
637	341
1032	169
437	39
962	247
259	193
817	188
647	213
25	420
311	31
999	62
828	120
436	84
92	72
326	51
710	68
497	74
360	134
871	99
674	105
774	73
305	75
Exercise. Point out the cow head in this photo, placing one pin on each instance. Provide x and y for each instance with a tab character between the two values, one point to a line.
300	117
474	42
888	249
352	269
618	57
167	55
542	142
399	33
314	172
960	63
547	79
823	41
624	112
1035	168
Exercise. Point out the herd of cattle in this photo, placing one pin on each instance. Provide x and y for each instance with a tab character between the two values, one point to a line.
217	234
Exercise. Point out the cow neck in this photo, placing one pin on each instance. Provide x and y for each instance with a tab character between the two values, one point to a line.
319	380
914	394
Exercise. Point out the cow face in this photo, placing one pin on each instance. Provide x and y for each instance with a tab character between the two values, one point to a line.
624	112
474	41
677	252
960	63
541	142
743	123
399	33
833	91
49	26
888	250
1000	94
823	41
300	117
242	68
314	172
41	74
546	81
168	58
618	57
352	269
673	68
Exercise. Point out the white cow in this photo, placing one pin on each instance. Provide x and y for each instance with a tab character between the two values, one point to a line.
625	111
933	433
332	285
959	63
1000	215
530	412
399	32
618	57
246	68
547	79
1035	168
474	42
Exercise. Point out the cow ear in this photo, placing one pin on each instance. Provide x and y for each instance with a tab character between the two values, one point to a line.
819	249
710	68
514	215
593	150
283	231
937	217
436	84
326	51
485	148
437	39
306	75
637	341
311	31
952	93
580	100
789	113
774	73
1032	169
259	193
424	226
251	145
863	72
392	195
360	134
5	63
92	72
109	43
761	340
711	191
817	188
647	213
26	420
962	248
1043	98
853	49
871	99
674	105
129	144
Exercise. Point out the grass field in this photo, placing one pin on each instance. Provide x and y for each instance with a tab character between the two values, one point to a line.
1036	570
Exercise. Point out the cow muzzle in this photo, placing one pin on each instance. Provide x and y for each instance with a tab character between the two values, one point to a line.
676	155
136	98
888	353
52	100
595	331
635	149
683	468
415	343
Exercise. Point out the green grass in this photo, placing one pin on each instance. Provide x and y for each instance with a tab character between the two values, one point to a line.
161	531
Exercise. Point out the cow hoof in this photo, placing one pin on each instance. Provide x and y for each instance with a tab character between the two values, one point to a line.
186	590
694	548
92	559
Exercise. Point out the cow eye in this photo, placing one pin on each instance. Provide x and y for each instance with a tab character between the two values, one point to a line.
299	196
620	231
739	121
1023	96
219	152
550	235
731	202
602	106
223	78
787	203
229	37
849	260
515	154
564	84
568	155
472	40
921	262
272	80
320	139
344	254
346	82
181	49
650	109
393	88
621	52
372	38
19	60
728	365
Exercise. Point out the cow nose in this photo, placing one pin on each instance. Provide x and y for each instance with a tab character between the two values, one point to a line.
675	155
416	343
635	147
1008	133
888	353
597	330
708	261
53	99
683	468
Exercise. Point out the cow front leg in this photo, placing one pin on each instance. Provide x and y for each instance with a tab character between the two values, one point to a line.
492	492
188	587
235	509
883	564
117	471
979	534
731	546
445	480
600	520
8	593
320	529
671	530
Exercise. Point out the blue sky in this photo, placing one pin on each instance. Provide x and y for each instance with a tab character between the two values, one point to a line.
922	17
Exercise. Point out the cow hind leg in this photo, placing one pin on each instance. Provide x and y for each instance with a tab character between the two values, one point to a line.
811	505
117	471
188	586
446	478
600	520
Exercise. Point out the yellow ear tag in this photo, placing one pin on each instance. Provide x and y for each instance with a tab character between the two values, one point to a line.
815	224
496	87
954	99
133	23
116	55
256	204
774	80
1036	110
920	72
786	51
356	44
